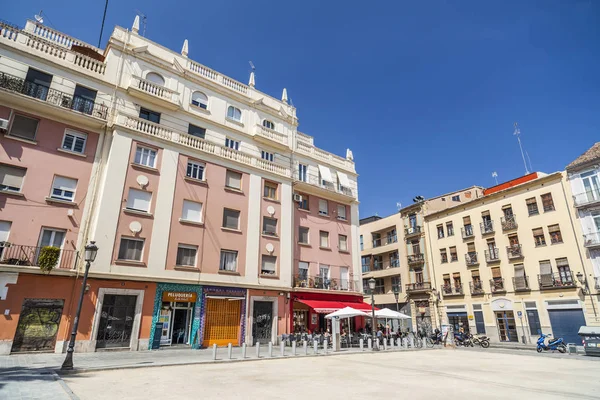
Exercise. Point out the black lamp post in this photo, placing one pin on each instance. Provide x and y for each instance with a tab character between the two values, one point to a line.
396	296
90	255
374	327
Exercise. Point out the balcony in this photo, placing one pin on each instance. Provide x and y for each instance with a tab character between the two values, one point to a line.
497	285
514	252
322	283
164	133
332	159
467	232
589	198
415	259
557	280
418	287
492	255
476	288
471	259
154	93
77	107
384	241
591	240
270	137
521	283
487	227
509	223
597	280
412	231
312	183
452	290
27	256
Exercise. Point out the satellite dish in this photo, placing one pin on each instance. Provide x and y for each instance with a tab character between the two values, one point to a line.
135	227
270	247
39	18
142	180
271	210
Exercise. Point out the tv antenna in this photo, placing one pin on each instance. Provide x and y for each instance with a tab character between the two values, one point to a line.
517	133
399	206
39	18
252	66
495	176
144	18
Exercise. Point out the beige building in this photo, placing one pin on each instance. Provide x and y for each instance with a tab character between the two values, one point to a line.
507	263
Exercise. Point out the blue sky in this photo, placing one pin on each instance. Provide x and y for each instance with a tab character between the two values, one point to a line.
425	93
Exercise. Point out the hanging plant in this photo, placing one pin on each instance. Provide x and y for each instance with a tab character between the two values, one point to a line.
48	258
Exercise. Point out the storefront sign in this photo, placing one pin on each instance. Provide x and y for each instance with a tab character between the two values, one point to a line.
179	296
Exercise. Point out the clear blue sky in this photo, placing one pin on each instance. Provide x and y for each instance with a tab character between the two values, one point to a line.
425	93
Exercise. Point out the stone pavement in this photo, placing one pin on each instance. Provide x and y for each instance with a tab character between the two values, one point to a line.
30	383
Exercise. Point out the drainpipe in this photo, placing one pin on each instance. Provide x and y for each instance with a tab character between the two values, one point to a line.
436	300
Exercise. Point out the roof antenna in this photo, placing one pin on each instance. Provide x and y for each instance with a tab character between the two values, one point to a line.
495	176
39	18
144	18
517	133
529	161
399	206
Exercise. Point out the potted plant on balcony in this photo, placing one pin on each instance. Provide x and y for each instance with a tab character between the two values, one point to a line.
48	258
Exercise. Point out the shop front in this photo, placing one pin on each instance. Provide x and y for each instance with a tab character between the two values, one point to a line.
177	315
224	316
268	316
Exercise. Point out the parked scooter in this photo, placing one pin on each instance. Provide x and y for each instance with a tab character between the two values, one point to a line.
553	344
462	339
481	340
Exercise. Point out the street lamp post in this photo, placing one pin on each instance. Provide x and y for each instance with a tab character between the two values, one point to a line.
396	296
373	327
90	255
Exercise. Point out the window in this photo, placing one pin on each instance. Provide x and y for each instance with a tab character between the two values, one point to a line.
63	188
303	270
150	115
564	271
195	170
145	156
323	207
538	237
396	284
228	260
11	178
440	231
155	78
303	205
84	99
268	124
131	249
232	144
192	211
37	84
416	247
138	200
444	256
233	180
24	127
269	265
324	239
341	211
303	235
343	242
231	218
456	198
199	99
555	235
547	202
362	245
450	229
453	254
186	255
532	207
269	226
4	232
366	263
52	237
270	190
74	141
265	155
234	113
196	131
302	173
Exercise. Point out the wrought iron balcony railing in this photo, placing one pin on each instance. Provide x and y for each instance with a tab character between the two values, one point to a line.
418	258
509	223
471	258
497	285
452	290
467	231
413	230
52	96
323	283
15	254
418	287
476	288
514	251
521	283
587	198
591	239
492	255
487	227
556	280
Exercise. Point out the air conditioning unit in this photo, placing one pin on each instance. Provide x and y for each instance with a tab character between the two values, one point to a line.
411	231
3	125
297	198
5	244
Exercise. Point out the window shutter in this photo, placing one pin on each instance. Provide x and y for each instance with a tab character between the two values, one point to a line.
323	206
4	230
139	200
519	271
470	247
341	211
496	273
303	265
324	239
506	206
554	228
485	214
545	268
530	201
65	183
475	274
562	262
192	211
231	218
538	232
325	173
24	127
233	180
11	176
467	220
456	275
269	264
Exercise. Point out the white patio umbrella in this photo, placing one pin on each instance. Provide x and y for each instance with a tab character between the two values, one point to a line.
347	312
390	314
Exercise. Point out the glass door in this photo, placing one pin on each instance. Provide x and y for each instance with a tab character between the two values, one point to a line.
507	328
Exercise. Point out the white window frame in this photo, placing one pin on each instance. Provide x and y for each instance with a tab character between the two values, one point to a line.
266	122
54	231
184	214
232	144
223	267
129	204
345	242
327	246
233	113
341	215
150	151
75	135
267	156
135	240
302	172
200	104
197	170
307	235
63	189
186	247
323	210
262	265
11	188
226	179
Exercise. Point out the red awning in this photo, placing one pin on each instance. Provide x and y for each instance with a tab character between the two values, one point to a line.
327	307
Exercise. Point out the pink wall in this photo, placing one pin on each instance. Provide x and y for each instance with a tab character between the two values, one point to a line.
31	212
313	253
211	237
265	239
125	217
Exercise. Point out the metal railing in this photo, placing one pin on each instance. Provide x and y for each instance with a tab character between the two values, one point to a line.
413	230
591	239
556	280
487	227
416	287
492	255
323	283
521	283
587	198
467	231
53	96
471	258
452	290
509	223
15	254
416	258
476	287
384	241
497	285
514	251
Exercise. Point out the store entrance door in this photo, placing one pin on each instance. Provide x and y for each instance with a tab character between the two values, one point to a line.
507	328
262	322
181	325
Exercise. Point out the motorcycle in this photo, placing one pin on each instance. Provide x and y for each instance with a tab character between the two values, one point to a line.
553	344
481	340
436	337
461	339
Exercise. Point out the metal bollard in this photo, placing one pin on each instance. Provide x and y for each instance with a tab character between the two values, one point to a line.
325	345
412	342
243	350
405	343
257	350
398	342
370	343
362	344
294	348
316	347
270	349
377	344
385	344
214	351
305	346
229	349
282	349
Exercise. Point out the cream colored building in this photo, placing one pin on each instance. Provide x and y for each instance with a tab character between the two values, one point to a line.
510	265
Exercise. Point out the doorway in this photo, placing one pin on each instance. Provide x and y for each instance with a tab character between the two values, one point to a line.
459	320
181	326
507	327
116	321
262	322
38	325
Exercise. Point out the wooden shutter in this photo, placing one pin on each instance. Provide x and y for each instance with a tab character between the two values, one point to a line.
545	267
519	271
475	273
467	220
554	228
470	247
485	214
11	176
538	232
496	273
530	201
562	262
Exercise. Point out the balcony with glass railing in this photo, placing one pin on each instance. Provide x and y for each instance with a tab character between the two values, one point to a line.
385	240
325	283
591	240
588	198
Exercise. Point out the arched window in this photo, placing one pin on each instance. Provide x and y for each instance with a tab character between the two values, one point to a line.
234	113
155	78
268	124
199	99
